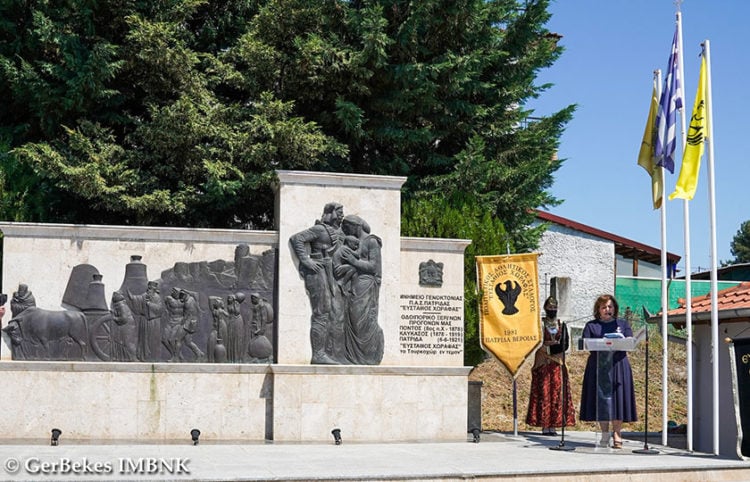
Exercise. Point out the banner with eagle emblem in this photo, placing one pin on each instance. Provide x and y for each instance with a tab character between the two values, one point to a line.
509	312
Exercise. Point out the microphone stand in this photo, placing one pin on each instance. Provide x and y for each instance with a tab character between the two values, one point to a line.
564	369
646	449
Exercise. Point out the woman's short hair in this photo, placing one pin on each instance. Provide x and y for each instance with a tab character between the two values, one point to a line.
602	300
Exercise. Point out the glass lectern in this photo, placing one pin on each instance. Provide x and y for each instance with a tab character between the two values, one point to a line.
603	351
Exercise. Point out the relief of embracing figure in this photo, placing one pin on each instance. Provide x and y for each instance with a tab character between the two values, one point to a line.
340	263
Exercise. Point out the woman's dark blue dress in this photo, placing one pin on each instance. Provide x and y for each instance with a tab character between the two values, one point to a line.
608	392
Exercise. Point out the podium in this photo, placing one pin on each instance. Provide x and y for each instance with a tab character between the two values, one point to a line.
610	344
603	352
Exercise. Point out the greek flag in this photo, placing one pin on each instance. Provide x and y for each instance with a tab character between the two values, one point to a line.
666	118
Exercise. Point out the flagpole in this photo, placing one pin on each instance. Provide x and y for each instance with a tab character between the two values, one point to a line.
712	209
664	287
665	302
688	267
654	150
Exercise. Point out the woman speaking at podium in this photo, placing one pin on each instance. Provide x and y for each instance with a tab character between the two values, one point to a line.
608	393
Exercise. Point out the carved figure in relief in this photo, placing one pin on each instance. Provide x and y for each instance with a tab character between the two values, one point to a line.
430	273
235	329
22	299
363	336
141	321
314	248
34	331
344	272
173	332
190	312
124	330
217	352
259	347
150	308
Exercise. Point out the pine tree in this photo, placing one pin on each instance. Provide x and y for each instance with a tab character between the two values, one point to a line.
180	112
119	114
740	245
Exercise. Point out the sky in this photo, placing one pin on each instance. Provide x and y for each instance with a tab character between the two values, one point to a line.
612	48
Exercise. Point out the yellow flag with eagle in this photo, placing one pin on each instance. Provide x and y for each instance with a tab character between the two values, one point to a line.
509	312
687	181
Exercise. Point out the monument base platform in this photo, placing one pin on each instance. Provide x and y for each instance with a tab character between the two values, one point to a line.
498	457
252	403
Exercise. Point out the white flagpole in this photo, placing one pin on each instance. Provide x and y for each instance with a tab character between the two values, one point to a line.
664	286
665	302
712	209
688	267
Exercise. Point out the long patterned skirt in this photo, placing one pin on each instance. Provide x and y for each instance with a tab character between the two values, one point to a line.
546	400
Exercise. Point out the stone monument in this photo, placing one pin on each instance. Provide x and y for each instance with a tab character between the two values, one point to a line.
248	335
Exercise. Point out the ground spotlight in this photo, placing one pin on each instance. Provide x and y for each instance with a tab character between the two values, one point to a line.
336	435
195	434
55	440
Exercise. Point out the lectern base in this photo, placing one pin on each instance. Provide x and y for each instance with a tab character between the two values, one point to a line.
563	447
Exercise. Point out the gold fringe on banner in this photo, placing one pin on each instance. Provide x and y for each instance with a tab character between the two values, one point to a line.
509	313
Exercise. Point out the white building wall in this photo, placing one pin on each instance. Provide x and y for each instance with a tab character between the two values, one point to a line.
645	269
703	391
586	264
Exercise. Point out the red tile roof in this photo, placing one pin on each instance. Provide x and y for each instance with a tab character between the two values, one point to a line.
733	305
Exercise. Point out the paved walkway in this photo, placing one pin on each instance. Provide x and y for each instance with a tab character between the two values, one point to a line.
496	457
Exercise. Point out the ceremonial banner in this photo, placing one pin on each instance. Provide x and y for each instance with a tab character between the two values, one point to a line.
646	156
509	317
698	131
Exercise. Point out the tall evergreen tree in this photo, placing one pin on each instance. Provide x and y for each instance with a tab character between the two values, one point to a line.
740	245
178	113
117	114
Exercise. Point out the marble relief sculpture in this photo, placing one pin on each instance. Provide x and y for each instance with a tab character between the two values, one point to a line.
340	264
188	324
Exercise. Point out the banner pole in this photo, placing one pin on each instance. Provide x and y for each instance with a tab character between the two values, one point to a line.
564	369
509	312
515	409
515	388
646	449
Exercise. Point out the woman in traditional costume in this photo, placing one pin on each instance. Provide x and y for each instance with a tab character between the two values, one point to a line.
548	401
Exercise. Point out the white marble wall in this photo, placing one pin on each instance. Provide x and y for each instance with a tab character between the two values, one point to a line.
299	203
43	255
409	396
395	404
133	401
703	410
431	319
163	402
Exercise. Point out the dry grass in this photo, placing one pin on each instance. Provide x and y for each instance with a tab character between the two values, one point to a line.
497	388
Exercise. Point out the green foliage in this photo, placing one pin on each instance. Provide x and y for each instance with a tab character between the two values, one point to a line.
127	120
740	245
460	217
180	112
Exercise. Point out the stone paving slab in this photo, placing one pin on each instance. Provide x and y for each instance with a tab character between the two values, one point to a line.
497	456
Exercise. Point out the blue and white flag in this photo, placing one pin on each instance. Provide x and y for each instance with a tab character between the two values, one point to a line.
669	104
